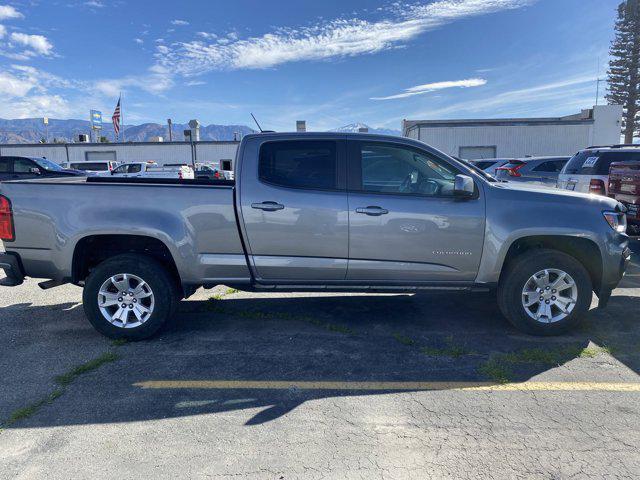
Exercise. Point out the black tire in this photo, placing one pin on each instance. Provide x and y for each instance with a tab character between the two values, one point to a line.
520	270
159	280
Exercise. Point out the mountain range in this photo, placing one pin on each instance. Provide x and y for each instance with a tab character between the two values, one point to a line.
32	130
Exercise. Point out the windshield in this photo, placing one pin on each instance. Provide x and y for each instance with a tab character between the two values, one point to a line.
48	164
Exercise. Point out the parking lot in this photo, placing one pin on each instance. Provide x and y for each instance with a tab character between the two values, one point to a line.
319	386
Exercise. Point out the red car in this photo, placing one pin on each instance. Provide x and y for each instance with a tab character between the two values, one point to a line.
624	186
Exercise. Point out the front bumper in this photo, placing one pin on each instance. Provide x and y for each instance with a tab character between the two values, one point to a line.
10	263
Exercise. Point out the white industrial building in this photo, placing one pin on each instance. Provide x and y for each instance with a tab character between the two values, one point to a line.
519	137
211	152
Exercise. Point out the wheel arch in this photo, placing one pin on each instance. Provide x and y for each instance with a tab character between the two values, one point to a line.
585	250
91	250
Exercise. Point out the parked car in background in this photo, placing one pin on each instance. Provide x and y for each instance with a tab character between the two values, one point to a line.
536	170
588	170
152	170
22	168
490	165
208	172
624	186
93	167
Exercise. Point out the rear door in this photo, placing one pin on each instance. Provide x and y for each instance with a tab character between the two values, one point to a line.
405	224
294	209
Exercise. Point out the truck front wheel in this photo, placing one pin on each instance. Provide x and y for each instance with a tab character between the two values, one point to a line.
545	292
129	296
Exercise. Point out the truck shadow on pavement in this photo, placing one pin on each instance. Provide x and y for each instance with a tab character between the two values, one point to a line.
374	338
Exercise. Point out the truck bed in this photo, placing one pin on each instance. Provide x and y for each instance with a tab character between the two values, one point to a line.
195	219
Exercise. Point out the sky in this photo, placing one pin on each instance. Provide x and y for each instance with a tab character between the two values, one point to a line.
328	62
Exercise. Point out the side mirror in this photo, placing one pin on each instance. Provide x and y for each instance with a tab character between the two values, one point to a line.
464	187
34	170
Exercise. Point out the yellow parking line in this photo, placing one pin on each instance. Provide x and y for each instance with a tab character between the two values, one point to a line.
398	386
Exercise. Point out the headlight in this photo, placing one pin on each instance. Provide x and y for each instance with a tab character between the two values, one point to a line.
617	221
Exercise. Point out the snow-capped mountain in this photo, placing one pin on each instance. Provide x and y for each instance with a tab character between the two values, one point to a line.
355	128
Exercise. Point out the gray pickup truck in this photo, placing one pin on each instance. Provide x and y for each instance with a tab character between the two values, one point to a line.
315	212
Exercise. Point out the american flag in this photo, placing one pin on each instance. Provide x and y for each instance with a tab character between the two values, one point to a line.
116	118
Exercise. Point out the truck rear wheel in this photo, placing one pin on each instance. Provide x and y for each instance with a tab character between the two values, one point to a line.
545	292
129	296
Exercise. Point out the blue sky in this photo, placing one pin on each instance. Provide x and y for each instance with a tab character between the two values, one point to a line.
329	62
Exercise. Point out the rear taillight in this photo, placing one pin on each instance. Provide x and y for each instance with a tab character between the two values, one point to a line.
597	187
6	220
513	171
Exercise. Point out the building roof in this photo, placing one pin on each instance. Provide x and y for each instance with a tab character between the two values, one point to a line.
584	117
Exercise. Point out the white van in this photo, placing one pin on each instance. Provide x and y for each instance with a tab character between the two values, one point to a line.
588	170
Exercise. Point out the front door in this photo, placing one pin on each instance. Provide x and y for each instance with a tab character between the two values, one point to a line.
295	210
405	224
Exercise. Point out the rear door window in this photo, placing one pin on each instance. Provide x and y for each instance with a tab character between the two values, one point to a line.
300	164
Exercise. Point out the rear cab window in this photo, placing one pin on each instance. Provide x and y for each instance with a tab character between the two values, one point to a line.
306	164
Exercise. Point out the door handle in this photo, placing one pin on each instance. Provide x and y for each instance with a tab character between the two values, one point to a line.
268	206
372	211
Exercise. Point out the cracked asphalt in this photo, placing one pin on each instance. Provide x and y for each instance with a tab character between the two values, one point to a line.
104	424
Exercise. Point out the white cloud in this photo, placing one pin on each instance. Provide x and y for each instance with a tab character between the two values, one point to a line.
207	35
336	38
38	43
3	31
180	23
14	86
36	106
24	92
195	83
94	4
157	81
432	87
139	41
7	11
545	97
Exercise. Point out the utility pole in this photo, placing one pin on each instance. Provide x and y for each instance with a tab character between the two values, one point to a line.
169	123
598	80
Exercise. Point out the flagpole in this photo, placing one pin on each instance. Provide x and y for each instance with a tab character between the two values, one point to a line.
122	117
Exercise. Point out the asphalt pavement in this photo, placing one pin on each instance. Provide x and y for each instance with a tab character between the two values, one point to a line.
283	386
